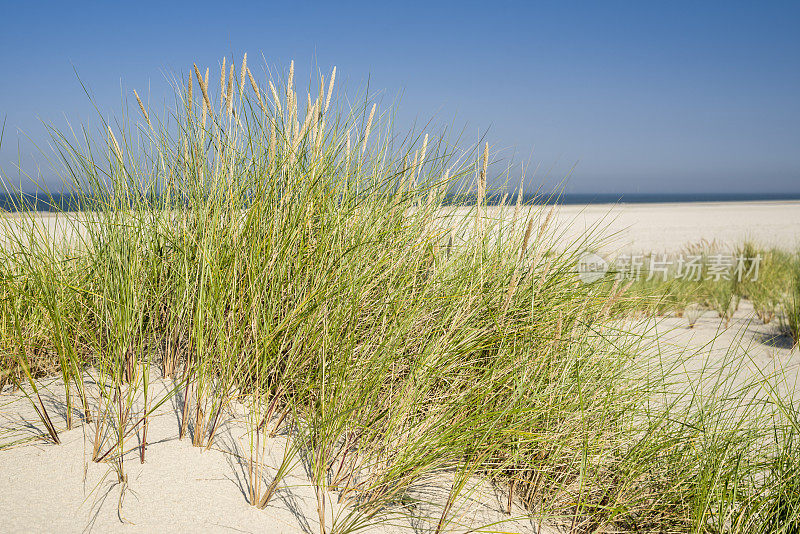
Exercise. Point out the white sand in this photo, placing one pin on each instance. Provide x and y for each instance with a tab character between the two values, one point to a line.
181	488
669	227
632	227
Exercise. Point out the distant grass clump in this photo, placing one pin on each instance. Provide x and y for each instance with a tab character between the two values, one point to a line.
295	255
789	317
765	277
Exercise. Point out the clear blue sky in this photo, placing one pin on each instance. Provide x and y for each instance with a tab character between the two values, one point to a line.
643	96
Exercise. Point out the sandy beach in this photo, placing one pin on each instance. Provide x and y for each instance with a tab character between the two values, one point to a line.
639	228
181	488
668	227
290	282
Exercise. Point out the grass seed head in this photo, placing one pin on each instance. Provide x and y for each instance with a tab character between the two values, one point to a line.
144	111
241	77
330	90
115	145
189	95
203	89
230	92
366	130
278	109
254	85
222	90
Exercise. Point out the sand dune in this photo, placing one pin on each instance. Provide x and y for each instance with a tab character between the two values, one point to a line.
183	489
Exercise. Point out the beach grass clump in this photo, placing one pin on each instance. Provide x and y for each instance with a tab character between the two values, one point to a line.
789	315
294	255
760	275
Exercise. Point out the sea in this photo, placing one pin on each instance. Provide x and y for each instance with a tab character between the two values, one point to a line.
54	202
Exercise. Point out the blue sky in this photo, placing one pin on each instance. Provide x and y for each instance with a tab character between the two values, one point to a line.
642	96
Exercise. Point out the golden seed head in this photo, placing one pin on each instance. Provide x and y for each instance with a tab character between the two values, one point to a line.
190	96
255	90
366	130
230	91
422	155
306	123
222	74
485	159
330	90
241	77
207	101
144	111
547	220
484	167
273	139
321	96
275	99
290	81
528	232
115	145
203	88
445	183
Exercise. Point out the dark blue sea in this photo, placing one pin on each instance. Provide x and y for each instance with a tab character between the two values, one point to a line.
66	202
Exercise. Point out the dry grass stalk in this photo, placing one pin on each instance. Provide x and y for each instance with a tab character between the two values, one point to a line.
330	90
610	300
254	85
528	232
445	183
481	190
557	336
273	140
190	95
319	127
518	205
242	75
485	166
412	180
512	286
301	134
229	96
117	149
614	296
291	99
367	129
422	156
222	90
206	102
278	108
185	165
320	97
347	149
547	220
290	82
144	111
203	89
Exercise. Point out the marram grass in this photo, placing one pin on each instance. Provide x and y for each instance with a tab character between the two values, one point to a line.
290	258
